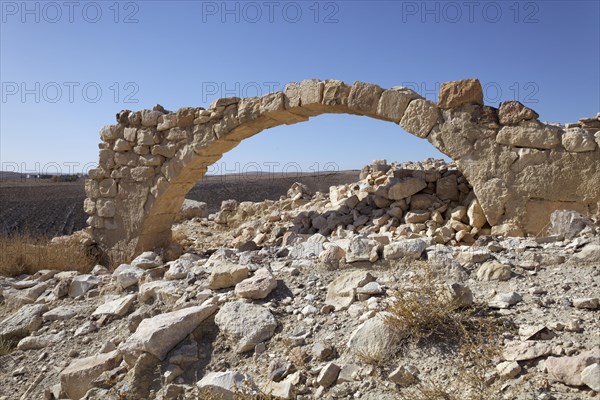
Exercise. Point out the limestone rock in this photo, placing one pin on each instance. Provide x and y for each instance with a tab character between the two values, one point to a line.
409	248
393	102
147	260
193	209
476	216
20	324
127	275
76	379
457	93
406	187
40	342
494	271
362	248
258	286
420	117
528	350
546	137
159	334
508	369
590	376
225	385
505	300
226	274
568	369
81	284
513	112
117	307
403	376
246	324
578	140
341	291
373	339
568	223
589	303
328	375
589	252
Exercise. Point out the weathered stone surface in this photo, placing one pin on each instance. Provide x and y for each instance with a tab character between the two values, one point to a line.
328	375
568	369
117	307
590	376
508	369
374	338
76	379
26	320
40	342
158	335
494	271
258	286
528	350
410	248
513	112
364	97
420	117
127	275
457	93
394	101
529	136
362	248
578	140
476	216
225	385
406	187
147	260
568	223
341	291
81	284
193	209
226	274
246	324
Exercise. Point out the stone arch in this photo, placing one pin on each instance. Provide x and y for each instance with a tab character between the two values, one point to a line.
520	169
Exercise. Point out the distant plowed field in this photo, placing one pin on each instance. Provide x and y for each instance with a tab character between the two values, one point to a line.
45	208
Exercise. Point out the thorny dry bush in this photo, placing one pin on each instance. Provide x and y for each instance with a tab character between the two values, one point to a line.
22	253
469	337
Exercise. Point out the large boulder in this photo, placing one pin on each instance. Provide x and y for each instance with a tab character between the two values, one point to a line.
568	370
246	324
76	379
159	334
25	321
375	339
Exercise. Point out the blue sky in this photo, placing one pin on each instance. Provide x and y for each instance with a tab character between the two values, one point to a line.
66	69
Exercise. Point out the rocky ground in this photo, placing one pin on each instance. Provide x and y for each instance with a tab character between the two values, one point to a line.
296	298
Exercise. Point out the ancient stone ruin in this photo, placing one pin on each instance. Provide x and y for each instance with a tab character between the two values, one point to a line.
521	169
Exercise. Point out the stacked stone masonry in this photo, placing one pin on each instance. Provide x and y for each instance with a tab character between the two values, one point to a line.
521	169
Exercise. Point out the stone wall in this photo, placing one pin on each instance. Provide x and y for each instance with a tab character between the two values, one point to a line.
520	169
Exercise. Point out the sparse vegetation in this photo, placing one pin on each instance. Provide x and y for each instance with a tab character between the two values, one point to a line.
469	336
6	345
26	254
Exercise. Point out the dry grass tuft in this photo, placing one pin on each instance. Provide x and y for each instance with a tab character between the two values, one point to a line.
6	345
26	254
469	336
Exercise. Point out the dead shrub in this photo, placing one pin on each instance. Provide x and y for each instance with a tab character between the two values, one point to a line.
469	336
